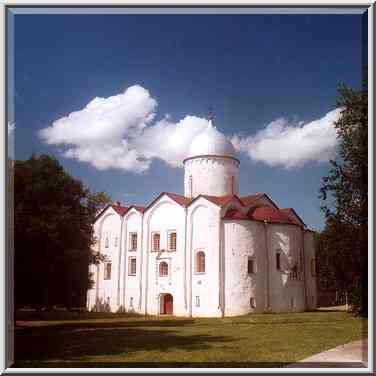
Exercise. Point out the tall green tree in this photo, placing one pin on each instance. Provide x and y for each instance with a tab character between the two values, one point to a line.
53	216
342	246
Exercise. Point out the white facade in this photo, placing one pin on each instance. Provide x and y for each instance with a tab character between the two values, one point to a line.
209	253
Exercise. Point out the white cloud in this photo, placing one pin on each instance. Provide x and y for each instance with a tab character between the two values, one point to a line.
120	132
117	132
292	145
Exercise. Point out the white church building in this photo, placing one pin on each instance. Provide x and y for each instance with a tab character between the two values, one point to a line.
209	253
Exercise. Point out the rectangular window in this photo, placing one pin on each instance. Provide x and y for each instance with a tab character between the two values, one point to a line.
116	241
132	266
197	301
133	241
156	241
172	241
278	261
107	270
251	265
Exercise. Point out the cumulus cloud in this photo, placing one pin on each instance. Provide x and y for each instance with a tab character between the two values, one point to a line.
119	132
289	145
122	132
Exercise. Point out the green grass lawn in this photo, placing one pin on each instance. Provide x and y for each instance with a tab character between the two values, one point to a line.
63	339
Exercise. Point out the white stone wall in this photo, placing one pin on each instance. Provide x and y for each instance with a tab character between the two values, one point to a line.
310	270
286	294
203	229
243	240
226	287
164	216
209	175
130	286
107	291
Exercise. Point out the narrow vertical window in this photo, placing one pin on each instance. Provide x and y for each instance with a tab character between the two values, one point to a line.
251	265
294	271
156	241
200	262
190	186
107	270
172	241
292	302
313	267
252	302
106	242
132	266
278	261
116	241
163	269
197	301
133	241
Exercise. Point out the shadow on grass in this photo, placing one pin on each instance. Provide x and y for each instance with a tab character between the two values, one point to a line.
77	341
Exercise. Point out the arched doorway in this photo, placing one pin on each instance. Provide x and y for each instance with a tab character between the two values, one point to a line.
167	303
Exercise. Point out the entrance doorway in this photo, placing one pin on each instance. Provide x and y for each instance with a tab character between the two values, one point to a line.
167	302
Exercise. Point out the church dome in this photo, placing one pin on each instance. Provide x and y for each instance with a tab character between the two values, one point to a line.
211	142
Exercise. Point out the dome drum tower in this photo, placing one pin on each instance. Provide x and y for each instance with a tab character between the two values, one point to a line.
211	167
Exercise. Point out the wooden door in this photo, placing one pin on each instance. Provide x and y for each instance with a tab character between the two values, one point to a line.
168	304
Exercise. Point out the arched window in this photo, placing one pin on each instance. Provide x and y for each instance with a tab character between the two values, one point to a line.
106	242
200	262
163	269
278	260
156	241
107	270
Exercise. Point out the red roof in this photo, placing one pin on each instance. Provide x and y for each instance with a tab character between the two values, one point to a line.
266	213
119	209
141	209
235	214
263	213
181	200
247	200
290	211
219	200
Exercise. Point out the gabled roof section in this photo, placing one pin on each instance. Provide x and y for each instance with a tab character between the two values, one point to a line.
179	199
220	201
235	214
247	200
120	209
117	208
251	199
268	214
291	211
140	209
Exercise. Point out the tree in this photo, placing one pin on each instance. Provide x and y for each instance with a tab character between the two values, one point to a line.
342	246
53	235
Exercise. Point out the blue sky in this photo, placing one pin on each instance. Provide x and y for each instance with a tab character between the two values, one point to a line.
253	70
